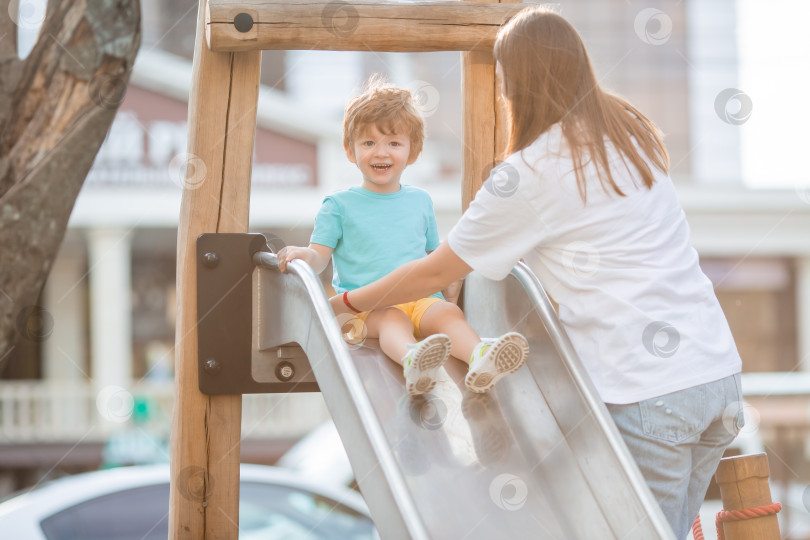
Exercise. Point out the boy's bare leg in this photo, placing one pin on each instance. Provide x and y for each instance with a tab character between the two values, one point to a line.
447	318
394	329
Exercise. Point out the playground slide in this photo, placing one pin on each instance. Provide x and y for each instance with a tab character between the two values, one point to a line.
538	457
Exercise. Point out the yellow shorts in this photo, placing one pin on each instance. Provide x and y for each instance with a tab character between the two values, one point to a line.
414	310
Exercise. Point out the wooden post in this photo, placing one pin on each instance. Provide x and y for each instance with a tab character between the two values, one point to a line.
206	430
484	121
743	482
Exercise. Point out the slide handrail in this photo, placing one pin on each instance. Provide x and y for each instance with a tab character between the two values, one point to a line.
547	314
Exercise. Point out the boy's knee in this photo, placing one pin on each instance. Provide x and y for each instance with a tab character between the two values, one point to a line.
442	313
449	309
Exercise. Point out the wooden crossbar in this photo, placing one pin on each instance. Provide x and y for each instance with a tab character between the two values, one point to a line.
337	25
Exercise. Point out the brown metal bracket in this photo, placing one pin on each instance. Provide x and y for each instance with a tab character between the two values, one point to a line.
225	289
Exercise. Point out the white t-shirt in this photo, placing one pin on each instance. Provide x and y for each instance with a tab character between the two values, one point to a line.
639	311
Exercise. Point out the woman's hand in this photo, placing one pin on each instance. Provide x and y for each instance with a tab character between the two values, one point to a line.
452	291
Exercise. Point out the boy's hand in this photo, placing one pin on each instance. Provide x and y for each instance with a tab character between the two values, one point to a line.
288	253
452	291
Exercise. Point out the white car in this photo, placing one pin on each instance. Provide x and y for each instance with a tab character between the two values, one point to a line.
320	455
132	503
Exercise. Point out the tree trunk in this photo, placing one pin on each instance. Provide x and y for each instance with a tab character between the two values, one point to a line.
56	107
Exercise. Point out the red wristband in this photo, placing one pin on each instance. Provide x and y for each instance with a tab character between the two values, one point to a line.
346	301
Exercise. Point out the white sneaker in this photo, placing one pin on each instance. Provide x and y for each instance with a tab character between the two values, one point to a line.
494	358
423	361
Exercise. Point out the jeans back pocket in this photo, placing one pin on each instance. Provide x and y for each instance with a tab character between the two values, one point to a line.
674	417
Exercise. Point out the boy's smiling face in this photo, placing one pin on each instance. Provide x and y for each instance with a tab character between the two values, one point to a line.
380	157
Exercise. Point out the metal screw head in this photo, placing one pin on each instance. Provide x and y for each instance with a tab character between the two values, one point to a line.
285	371
212	367
243	22
210	259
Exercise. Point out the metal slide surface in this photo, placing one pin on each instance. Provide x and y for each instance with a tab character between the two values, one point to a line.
537	457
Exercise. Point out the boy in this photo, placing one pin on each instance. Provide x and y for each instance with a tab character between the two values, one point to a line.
374	228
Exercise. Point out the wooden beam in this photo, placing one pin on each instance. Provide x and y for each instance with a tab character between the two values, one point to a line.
484	119
206	430
359	25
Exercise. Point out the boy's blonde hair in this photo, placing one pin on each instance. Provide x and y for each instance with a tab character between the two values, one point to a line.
390	108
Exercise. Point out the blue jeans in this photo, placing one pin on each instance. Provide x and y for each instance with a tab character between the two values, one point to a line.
677	441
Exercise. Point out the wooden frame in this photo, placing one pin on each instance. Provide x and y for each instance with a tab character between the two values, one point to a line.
206	430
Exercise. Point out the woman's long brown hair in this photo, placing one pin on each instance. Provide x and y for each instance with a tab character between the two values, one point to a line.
549	79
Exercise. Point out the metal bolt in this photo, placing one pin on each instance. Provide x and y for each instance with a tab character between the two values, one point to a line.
285	371
243	22
212	367
210	259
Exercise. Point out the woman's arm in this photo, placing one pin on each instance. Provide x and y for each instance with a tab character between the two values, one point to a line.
412	281
452	291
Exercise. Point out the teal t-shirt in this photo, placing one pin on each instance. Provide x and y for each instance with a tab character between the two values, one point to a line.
374	233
